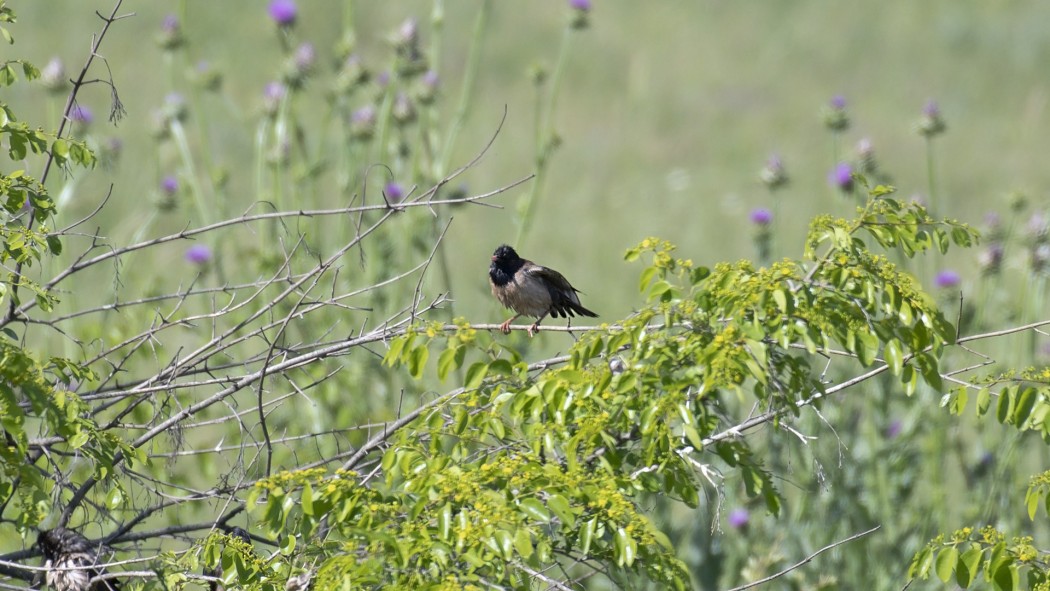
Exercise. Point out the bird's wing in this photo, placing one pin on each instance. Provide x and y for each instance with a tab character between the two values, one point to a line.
553	279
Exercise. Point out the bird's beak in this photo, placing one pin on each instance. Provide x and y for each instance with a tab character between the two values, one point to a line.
493	258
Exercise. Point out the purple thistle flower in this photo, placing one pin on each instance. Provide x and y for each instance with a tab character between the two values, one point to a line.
81	114
581	10
931	109
865	149
408	33
931	123
947	279
835	114
169	185
760	216
1037	225
991	258
53	75
305	55
382	79
206	75
428	87
893	429
738	518
364	115
175	106
198	254
363	121
773	175
283	12
394	193
170	24
431	80
274	91
841	177
170	36
403	110
273	94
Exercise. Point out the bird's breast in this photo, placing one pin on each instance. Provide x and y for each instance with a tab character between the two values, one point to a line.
523	294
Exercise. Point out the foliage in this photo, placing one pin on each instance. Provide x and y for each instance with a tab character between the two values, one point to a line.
415	448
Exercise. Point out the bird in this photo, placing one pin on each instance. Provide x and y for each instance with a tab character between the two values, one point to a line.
72	561
531	290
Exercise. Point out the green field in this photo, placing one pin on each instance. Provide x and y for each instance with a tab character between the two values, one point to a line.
664	115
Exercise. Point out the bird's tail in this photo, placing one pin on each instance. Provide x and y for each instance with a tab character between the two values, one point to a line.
582	311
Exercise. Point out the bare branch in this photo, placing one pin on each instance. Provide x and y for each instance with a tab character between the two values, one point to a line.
805	560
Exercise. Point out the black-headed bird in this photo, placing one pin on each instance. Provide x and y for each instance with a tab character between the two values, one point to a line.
72	561
531	290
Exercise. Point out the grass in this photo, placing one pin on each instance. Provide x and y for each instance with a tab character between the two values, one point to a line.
666	114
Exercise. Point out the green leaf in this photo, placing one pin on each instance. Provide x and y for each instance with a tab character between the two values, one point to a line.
967	566
475	375
905	314
945	563
959	398
393	354
1031	500
78	439
1025	402
306	499
984	400
910	379
30	71
780	298
867	346
693	436
417	361
894	356
287	545
501	367
505	542
587	535
646	278
534	509
930	370
523	543
449	360
559	505
1002	408
920	565
626	548
7	75
1005	577
114	498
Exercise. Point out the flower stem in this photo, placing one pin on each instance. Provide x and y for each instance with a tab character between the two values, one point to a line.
546	138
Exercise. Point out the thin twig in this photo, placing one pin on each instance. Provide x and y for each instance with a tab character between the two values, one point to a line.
805	560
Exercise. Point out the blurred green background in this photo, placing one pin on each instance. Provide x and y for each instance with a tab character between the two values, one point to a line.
667	113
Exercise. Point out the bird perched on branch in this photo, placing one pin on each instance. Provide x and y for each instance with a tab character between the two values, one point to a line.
72	561
531	290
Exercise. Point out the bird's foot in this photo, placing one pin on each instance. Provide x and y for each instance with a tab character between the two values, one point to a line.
505	327
533	329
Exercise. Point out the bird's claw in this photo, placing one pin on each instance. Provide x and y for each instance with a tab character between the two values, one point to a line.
533	329
505	327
